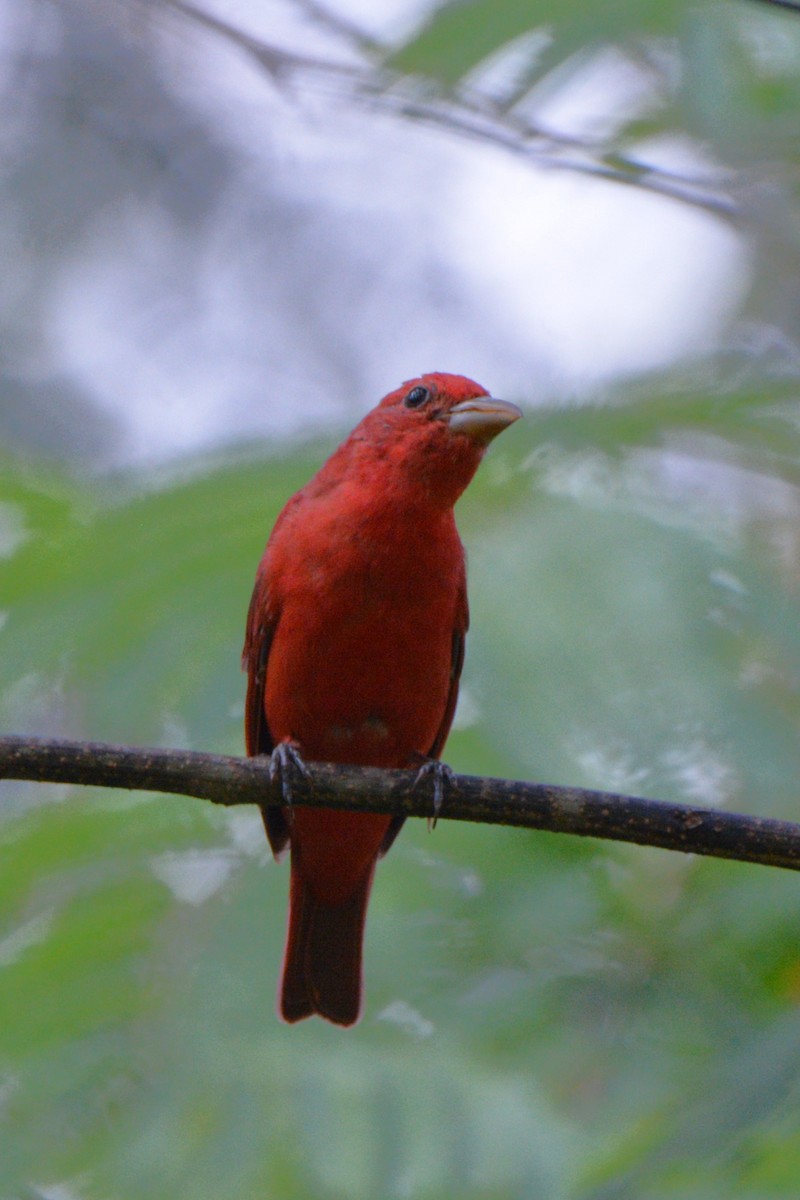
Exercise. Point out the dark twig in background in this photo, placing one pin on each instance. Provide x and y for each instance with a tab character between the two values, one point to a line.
789	5
230	781
363	77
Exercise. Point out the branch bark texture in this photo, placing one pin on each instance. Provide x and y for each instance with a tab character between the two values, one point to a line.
231	781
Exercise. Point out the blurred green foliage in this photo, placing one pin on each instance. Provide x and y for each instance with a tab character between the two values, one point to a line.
546	1017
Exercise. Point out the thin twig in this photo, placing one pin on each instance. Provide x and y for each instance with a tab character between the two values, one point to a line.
230	781
788	5
389	92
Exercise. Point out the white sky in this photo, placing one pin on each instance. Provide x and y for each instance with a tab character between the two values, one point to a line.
536	283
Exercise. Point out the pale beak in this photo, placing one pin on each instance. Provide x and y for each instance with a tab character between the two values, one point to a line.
482	418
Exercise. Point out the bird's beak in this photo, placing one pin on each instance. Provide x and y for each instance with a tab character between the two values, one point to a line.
482	418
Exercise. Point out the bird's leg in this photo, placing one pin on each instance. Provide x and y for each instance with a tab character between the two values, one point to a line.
286	762
442	777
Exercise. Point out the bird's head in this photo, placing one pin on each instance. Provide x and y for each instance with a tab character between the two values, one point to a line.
450	403
434	430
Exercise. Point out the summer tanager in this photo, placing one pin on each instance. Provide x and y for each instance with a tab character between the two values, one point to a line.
354	646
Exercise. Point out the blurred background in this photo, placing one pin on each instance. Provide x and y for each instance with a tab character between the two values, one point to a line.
225	232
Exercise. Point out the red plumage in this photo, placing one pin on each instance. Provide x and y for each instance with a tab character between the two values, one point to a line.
354	646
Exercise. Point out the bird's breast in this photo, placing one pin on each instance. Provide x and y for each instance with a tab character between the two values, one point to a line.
360	663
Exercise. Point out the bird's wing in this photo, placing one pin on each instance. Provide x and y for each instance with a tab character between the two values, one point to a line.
456	663
261	627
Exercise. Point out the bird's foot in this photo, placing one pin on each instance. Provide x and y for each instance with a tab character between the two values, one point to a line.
442	777
285	765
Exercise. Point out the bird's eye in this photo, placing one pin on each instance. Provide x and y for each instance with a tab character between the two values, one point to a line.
416	397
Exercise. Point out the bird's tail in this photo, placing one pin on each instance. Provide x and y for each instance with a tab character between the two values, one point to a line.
322	963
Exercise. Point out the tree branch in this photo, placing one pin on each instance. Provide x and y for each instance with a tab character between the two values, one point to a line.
230	781
789	5
364	78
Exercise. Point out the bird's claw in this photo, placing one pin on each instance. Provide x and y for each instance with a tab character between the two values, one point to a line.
286	761
442	777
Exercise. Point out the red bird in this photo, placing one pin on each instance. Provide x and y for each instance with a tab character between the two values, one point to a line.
354	646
